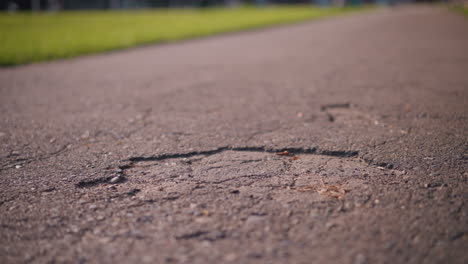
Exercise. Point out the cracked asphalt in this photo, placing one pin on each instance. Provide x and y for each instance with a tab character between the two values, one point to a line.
335	141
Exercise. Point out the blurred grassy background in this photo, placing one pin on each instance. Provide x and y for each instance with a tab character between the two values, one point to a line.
31	37
463	9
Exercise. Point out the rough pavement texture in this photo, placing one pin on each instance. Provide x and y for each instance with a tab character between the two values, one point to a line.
168	154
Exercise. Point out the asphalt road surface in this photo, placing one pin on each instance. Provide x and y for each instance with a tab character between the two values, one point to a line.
342	140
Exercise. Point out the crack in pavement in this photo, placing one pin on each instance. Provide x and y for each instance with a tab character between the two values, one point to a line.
249	176
313	151
24	161
325	107
120	177
75	145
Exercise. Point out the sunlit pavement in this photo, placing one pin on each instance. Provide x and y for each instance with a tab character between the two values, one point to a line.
336	141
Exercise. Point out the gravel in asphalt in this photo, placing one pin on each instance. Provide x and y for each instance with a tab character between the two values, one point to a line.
336	141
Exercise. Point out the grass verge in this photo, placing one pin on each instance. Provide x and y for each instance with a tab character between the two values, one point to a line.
462	9
32	37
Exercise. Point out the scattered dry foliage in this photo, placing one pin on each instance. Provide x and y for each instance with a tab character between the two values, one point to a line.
287	153
334	191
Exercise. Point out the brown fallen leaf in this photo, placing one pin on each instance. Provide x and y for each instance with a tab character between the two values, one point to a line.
333	191
205	213
283	153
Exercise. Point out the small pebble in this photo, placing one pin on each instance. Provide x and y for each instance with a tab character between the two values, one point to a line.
330	225
116	179
85	134
230	257
74	229
100	217
360	259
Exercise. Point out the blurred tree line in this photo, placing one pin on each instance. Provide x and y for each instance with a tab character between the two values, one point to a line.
13	5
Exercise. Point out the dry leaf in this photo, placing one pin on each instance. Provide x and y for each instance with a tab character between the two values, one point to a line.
332	191
205	213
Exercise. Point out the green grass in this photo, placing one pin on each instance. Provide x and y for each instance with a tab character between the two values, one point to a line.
462	9
32	37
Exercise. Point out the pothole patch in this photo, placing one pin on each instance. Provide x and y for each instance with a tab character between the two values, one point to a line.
317	174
